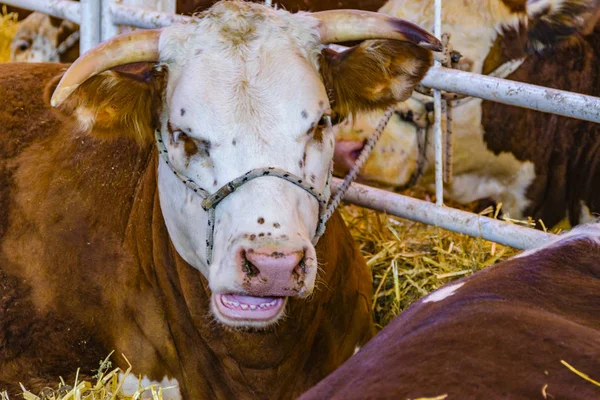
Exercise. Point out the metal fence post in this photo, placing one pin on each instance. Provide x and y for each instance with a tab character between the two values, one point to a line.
90	25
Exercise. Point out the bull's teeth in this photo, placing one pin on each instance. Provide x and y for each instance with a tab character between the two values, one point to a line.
235	303
272	303
262	305
244	306
252	307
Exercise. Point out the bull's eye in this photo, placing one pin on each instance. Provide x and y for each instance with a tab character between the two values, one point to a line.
22	45
336	119
325	121
179	136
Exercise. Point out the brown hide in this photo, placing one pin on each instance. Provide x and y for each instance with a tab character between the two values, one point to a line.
90	268
502	335
565	151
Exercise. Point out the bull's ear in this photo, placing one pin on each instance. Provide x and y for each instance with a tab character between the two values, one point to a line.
550	21
373	75
124	102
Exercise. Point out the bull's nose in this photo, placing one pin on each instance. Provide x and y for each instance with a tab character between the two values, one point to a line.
274	273
346	153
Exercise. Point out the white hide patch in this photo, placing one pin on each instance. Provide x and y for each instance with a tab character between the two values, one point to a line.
442	293
587	231
132	385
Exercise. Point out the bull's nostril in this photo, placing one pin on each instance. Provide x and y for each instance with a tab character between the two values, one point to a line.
299	271
354	154
249	269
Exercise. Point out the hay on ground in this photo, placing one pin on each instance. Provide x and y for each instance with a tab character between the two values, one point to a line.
8	28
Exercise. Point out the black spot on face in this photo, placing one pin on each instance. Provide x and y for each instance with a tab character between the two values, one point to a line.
276	225
300	163
182	112
252	237
313	178
234	142
261	220
321	103
215	182
304	114
261	234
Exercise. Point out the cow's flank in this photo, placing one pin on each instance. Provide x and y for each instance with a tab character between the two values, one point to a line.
504	332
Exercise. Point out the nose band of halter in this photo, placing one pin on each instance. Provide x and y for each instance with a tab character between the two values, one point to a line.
210	201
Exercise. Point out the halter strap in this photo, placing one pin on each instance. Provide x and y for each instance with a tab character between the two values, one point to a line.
210	201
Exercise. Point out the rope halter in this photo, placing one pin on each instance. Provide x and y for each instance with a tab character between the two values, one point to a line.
211	201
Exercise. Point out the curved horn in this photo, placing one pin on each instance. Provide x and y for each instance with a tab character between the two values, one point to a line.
348	25
136	46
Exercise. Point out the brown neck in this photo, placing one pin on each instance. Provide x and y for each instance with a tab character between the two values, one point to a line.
214	361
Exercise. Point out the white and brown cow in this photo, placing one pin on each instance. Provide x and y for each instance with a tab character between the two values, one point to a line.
535	164
105	243
42	38
503	333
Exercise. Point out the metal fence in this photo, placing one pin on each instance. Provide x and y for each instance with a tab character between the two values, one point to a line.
100	19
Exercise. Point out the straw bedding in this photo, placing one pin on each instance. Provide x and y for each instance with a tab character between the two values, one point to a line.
8	28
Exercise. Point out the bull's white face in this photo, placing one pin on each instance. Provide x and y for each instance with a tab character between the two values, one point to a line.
36	40
243	95
474	25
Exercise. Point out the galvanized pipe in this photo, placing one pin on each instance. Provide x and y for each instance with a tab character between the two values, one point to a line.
519	94
143	18
64	9
437	113
447	218
108	28
89	28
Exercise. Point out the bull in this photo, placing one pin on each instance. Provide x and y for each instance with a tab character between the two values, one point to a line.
172	213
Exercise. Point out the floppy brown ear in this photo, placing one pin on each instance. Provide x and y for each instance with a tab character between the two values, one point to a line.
124	102
550	21
373	75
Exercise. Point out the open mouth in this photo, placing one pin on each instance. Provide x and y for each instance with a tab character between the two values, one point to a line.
240	308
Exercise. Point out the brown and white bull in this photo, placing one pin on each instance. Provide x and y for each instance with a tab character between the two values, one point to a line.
503	333
106	244
535	164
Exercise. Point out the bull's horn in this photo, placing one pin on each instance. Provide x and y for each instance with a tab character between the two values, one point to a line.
348	25
132	47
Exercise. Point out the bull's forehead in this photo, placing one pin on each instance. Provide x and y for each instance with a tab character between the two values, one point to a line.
234	29
245	66
472	24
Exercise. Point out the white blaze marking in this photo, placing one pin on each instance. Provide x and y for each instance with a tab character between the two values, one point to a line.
132	385
442	293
